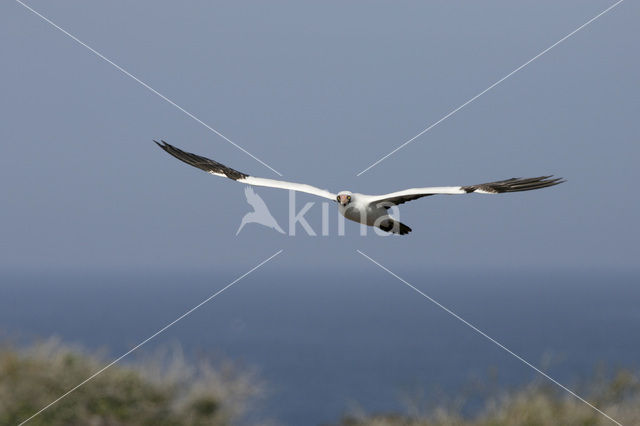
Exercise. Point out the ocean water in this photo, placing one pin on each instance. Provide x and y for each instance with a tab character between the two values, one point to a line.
328	342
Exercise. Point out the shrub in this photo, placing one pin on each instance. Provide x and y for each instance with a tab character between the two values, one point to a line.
164	391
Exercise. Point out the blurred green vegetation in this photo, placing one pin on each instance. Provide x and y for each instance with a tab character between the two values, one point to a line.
163	391
166	390
537	404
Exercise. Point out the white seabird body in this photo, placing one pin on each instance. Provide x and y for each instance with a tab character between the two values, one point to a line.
369	210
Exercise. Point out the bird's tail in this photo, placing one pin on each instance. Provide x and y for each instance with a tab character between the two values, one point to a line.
393	226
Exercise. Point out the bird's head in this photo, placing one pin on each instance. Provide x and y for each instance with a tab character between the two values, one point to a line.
344	197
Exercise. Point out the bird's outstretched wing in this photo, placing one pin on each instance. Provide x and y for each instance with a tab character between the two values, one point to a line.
219	169
509	185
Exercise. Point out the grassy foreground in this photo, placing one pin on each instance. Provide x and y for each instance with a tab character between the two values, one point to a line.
155	392
538	404
167	390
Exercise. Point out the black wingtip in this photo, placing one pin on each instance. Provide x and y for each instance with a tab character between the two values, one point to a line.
516	184
202	163
162	144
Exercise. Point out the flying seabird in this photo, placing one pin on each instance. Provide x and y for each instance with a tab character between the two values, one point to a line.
362	208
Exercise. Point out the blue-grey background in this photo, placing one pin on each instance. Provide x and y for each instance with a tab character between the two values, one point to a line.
319	91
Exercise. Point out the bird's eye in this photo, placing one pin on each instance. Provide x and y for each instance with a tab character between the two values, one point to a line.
338	198
348	197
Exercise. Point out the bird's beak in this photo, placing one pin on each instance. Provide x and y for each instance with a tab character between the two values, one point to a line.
343	200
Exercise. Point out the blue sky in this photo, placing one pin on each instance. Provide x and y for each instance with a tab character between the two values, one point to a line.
319	91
